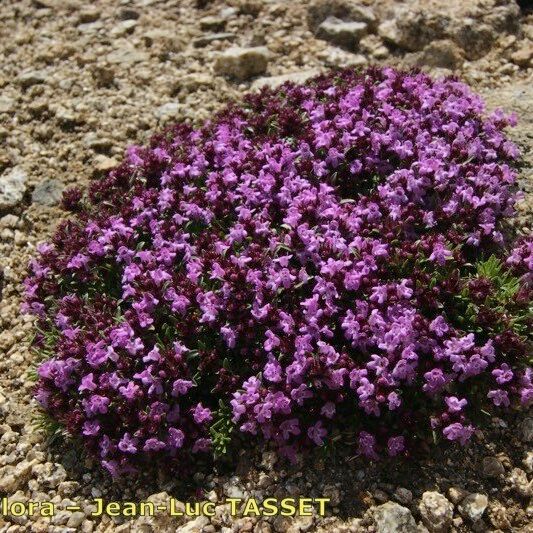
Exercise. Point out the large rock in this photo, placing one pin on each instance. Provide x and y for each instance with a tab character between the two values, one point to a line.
48	192
342	33
475	38
31	77
475	28
456	495
12	188
393	518
442	54
242	63
473	506
350	10
75	520
436	512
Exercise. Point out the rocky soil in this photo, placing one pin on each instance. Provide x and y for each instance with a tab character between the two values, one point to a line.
79	81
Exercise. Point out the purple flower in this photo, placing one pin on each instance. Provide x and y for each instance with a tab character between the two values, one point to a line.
201	445
273	370
365	390
455	405
87	383
202	414
271	342
229	336
379	294
181	386
127	444
439	326
263	412
152	355
317	432
176	437
130	391
91	428
112	467
503	374
458	432
435	380
153	445
394	401
440	253
301	393
96	404
395	446
328	410
499	397
367	445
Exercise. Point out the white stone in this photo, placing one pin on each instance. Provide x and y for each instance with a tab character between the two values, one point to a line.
436	512
473	506
32	77
242	63
393	518
341	32
12	187
168	110
520	484
48	192
275	81
75	519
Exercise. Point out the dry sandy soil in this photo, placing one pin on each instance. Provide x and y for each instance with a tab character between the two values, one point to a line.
79	81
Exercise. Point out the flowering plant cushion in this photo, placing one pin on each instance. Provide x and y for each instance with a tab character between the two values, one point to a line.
322	256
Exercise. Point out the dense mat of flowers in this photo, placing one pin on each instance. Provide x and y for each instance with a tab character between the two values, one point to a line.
320	260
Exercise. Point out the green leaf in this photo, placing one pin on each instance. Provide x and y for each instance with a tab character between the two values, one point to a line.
491	268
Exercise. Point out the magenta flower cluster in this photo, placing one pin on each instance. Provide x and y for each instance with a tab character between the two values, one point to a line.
304	262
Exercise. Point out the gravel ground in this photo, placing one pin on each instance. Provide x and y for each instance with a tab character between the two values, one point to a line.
80	81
